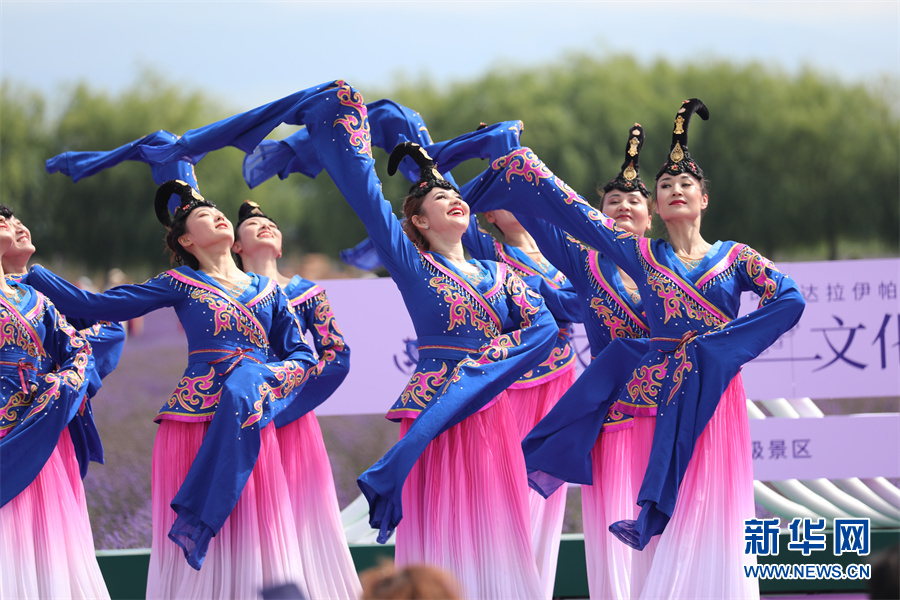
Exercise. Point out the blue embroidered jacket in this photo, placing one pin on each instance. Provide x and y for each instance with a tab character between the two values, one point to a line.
37	403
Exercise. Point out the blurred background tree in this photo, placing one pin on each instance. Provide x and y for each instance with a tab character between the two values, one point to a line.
802	166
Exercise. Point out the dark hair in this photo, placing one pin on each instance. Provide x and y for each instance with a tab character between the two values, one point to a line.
179	256
412	206
237	257
412	582
6	211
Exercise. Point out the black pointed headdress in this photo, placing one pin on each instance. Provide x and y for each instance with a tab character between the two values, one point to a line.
248	210
679	159
429	176
175	199
629	178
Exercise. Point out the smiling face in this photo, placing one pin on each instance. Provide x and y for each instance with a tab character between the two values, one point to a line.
442	213
630	210
258	234
16	258
680	197
206	226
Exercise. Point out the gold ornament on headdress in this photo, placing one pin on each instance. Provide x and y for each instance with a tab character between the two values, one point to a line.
679	121
677	153
629	173
633	146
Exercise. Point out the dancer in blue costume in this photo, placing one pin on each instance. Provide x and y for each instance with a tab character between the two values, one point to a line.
318	541
106	339
537	390
79	443
479	328
216	467
611	308
689	369
46	546
327	564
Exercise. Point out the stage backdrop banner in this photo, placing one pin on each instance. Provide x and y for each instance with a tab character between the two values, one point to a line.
832	447
847	344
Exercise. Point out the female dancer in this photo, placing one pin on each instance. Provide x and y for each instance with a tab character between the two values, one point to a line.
106	339
611	308
689	369
46	546
216	465
327	564
537	390
464	501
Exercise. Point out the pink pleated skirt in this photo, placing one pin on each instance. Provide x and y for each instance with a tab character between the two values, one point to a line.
701	552
257	546
327	564
619	460
465	507
530	405
46	543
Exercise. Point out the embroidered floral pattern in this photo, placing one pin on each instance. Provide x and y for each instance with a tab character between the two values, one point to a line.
9	414
360	136
524	297
190	393
676	304
558	357
226	316
264	392
645	383
423	385
460	309
290	375
618	327
758	268
70	377
13	332
329	333
682	366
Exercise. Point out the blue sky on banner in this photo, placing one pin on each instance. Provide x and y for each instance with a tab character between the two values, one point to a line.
248	53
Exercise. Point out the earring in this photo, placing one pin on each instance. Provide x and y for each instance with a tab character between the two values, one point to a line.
425	227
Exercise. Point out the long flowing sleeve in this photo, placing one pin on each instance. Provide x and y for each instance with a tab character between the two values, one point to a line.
338	127
558	449
107	339
243	131
332	350
561	249
120	303
561	298
518	181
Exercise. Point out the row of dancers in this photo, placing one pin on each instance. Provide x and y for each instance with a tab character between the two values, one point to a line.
655	429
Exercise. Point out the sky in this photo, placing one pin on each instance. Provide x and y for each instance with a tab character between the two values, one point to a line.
248	53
